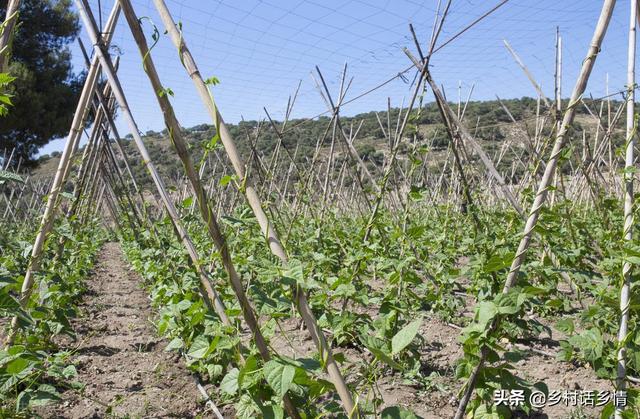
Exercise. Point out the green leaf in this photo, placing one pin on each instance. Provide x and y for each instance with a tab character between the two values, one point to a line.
17	365
212	81
69	371
187	202
199	347
294	271
7	302
229	384
498	262
22	401
405	336
485	313
214	370
6	175
385	358
165	92
6	78
211	145
608	411
224	180
248	376
279	376
272	412
633	260
246	408
566	326
44	395
590	344
176	343
491	412
396	412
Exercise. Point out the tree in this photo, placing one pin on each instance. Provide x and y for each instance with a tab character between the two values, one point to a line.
45	91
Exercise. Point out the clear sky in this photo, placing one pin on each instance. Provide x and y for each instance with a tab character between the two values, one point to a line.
261	49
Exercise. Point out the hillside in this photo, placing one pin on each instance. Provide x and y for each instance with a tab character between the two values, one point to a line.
487	120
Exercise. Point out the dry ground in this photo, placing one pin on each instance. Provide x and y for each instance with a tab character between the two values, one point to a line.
119	357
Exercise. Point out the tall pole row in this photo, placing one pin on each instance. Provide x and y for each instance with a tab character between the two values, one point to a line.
59	179
254	202
210	295
543	187
213	228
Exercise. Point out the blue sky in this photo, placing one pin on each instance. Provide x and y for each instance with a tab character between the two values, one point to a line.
261	49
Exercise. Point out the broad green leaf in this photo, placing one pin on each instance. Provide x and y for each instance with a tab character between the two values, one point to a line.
246	408
18	365
199	347
405	336
272	412
7	302
566	326
590	344
485	313
491	412
214	370
69	371
22	401
248	375
396	412
498	262
294	271
6	175
229	384
279	376
45	394
176	343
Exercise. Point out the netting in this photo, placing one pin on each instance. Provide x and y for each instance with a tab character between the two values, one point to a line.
261	50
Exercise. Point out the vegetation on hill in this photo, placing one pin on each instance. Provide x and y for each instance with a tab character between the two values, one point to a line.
488	121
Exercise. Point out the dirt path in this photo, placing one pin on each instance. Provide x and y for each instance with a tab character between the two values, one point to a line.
120	359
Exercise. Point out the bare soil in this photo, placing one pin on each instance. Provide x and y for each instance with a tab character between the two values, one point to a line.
442	349
119	358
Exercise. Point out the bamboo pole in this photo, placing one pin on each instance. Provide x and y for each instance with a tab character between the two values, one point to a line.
7	33
541	194
625	291
254	202
527	73
105	104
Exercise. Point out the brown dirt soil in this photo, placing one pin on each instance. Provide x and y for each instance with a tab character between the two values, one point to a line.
442	349
118	356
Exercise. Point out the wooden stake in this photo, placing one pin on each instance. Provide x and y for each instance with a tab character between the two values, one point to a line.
625	291
9	23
